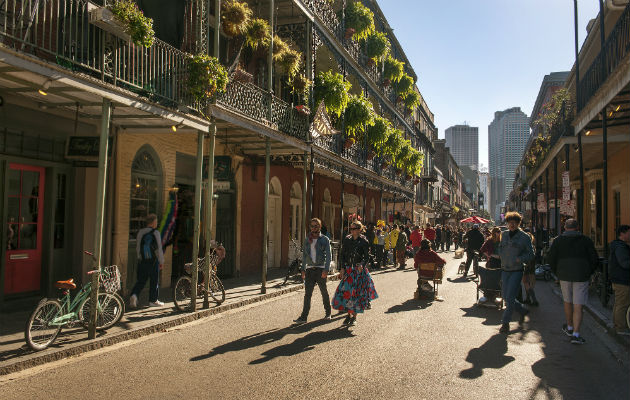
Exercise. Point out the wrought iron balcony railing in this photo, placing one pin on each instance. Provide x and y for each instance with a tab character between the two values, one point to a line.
616	48
59	31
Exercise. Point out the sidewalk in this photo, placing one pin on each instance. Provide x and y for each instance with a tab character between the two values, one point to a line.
15	355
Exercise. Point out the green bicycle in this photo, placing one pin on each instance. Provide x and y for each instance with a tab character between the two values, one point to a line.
50	315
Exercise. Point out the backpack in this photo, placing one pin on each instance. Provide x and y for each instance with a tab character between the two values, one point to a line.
148	246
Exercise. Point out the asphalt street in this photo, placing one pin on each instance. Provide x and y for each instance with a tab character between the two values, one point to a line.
401	348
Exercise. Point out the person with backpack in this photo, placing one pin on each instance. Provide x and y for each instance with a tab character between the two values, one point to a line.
150	262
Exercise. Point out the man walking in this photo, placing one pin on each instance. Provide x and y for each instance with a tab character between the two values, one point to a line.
315	268
475	241
573	259
416	239
619	270
150	262
515	249
401	246
429	233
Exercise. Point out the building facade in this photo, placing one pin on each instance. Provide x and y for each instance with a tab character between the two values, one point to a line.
463	143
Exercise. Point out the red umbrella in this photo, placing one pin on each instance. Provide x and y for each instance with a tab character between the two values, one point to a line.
475	220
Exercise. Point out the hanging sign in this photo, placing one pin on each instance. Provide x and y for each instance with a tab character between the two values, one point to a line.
541	204
565	179
321	125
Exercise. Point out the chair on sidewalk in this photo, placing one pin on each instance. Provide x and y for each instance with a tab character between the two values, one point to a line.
489	284
429	272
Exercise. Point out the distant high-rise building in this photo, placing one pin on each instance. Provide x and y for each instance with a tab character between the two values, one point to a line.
508	134
484	190
463	142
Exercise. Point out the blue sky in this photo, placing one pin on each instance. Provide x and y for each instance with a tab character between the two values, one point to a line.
475	57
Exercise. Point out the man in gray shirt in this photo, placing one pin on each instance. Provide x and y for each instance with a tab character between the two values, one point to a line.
150	262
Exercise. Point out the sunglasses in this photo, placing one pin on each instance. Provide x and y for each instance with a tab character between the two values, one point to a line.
314	226
354	228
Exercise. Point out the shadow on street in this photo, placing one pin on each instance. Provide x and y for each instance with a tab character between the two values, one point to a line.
489	355
410	305
305	343
261	338
492	315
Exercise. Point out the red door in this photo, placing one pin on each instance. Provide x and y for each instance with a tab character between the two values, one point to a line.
25	197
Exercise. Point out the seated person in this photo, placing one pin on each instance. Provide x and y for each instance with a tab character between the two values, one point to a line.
491	250
426	255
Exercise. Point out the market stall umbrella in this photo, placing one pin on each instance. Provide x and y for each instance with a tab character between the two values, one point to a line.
475	220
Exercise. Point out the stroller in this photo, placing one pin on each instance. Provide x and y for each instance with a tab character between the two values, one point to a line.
489	283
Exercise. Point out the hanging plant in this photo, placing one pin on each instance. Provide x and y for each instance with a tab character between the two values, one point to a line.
279	47
378	132
290	61
403	86
139	27
358	115
415	161
393	69
332	89
257	33
403	154
393	143
301	86
360	18
412	100
206	77
376	46
235	17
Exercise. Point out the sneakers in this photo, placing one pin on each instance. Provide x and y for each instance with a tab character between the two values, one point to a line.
483	299
505	328
133	301
347	320
567	331
156	303
577	340
353	321
300	320
328	317
623	332
522	317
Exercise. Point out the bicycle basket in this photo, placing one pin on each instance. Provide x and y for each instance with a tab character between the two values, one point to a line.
109	278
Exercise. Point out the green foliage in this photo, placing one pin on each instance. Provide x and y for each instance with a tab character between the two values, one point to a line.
414	164
235	17
139	27
376	45
393	143
393	69
290	62
358	115
559	108
279	47
206	77
403	153
378	133
412	100
332	89
404	86
257	33
360	18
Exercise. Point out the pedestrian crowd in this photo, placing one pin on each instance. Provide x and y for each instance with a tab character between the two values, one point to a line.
512	257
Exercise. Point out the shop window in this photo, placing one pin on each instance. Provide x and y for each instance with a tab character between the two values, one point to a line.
60	211
145	190
617	201
596	208
295	218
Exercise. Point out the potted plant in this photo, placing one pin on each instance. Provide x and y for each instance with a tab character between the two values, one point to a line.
376	46
206	77
240	75
301	86
360	19
332	89
349	142
302	109
392	145
403	86
235	16
257	33
377	135
358	114
290	61
279	47
124	19
412	100
392	70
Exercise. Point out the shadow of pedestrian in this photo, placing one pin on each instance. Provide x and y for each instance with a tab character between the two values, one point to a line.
460	279
492	315
304	343
489	355
259	339
410	305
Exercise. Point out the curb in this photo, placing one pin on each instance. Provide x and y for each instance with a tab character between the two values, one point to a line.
600	319
106	341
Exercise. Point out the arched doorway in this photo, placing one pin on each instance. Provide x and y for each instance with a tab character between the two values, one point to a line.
295	217
274	220
144	199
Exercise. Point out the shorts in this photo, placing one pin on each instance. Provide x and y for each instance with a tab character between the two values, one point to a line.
574	292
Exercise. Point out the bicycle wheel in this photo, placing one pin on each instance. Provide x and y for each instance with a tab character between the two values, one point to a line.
111	308
39	332
182	292
216	288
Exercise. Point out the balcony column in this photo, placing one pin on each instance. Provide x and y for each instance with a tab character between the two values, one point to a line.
310	188
270	62
209	220
555	190
197	220
380	202
100	210
304	192
602	31
580	196
364	200
341	216
265	243
548	200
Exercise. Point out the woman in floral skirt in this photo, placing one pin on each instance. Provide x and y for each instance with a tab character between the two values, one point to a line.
356	288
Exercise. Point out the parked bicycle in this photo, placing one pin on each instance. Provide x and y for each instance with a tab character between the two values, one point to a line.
50	315
294	271
182	291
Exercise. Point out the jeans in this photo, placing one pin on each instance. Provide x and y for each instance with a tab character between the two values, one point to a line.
470	257
381	259
148	270
511	284
313	276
